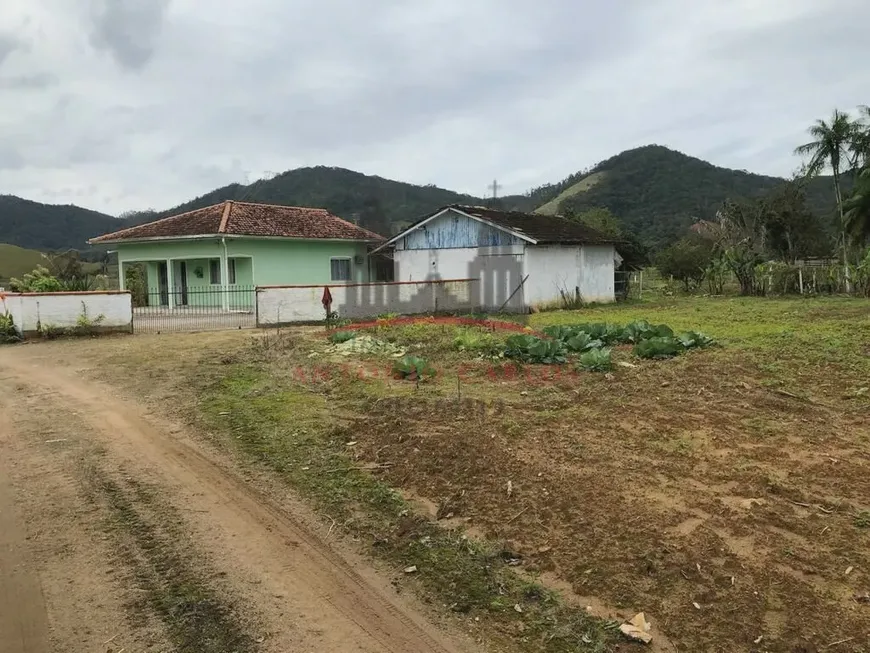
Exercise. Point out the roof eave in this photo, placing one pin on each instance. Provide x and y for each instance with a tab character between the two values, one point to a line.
444	210
576	241
150	239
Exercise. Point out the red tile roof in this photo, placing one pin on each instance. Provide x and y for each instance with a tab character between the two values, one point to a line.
246	219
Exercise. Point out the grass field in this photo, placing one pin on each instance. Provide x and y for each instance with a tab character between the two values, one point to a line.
724	492
15	261
552	207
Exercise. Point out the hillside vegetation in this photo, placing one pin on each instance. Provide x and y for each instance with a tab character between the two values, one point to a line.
587	182
378	204
658	193
654	191
49	226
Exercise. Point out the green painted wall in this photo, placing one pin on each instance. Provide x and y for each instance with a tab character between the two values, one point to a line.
272	261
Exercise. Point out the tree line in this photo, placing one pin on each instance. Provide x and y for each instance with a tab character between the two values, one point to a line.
755	238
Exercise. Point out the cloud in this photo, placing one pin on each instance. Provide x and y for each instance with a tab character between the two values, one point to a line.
32	81
127	29
10	158
125	105
8	45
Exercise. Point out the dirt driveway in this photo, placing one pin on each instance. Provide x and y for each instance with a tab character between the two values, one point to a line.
120	532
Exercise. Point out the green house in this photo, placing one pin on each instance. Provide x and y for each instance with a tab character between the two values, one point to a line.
217	255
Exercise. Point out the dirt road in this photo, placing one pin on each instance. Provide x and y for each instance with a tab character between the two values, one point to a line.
75	457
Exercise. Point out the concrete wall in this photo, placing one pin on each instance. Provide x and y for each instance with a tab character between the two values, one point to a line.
499	269
62	310
287	304
597	273
551	269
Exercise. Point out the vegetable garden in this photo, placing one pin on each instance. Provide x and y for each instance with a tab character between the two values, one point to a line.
588	347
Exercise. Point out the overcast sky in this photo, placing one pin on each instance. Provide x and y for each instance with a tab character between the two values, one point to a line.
130	104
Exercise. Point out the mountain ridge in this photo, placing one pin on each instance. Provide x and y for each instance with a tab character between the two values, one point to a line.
656	192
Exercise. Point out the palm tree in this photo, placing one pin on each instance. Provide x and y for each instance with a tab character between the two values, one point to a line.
831	147
858	209
859	148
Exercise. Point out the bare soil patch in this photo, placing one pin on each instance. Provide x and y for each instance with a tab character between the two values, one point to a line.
217	565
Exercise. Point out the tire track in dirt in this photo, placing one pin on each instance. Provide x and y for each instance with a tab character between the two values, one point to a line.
68	557
23	620
330	605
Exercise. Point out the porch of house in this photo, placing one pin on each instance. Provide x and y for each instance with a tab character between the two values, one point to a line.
191	285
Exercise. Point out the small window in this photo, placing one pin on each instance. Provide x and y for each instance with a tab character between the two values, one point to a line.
340	269
232	272
214	271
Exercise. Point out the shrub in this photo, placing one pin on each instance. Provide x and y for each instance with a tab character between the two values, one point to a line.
715	276
659	347
412	368
40	280
337	337
134	281
48	331
8	333
861	276
782	278
686	261
531	349
596	360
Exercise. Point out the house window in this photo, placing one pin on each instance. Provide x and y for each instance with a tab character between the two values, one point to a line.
340	269
232	271
214	271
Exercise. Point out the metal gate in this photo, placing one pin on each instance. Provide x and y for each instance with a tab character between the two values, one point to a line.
193	308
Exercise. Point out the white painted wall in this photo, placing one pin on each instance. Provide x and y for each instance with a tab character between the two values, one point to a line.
596	273
287	304
427	264
499	269
62	310
551	268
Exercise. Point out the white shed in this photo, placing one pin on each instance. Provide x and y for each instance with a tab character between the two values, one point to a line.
521	260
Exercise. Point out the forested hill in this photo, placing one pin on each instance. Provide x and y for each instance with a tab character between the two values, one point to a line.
49	226
657	192
381	205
